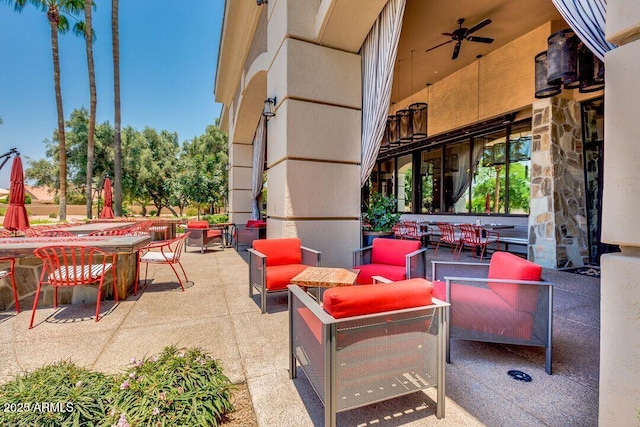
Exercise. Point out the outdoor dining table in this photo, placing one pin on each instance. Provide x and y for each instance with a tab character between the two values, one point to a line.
84	229
126	248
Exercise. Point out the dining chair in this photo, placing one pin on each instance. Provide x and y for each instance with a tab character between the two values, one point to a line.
11	272
477	238
55	233
162	252
450	236
65	266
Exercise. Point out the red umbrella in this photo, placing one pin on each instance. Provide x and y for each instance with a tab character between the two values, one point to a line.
107	211
16	217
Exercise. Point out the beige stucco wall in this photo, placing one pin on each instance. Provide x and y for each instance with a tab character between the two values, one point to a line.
620	288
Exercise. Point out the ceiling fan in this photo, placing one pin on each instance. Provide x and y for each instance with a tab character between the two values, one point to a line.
461	34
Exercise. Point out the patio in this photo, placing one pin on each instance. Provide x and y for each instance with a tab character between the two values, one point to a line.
216	314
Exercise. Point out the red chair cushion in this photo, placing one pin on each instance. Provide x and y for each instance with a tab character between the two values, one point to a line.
391	272
483	311
197	224
280	251
505	265
255	223
214	233
391	251
355	300
279	276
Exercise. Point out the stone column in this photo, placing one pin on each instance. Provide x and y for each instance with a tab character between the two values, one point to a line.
620	287
240	169
313	146
557	218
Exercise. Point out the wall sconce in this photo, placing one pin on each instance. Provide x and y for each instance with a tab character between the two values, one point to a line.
269	103
261	2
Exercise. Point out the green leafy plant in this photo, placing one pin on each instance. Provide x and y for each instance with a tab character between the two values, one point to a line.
216	218
56	395
176	388
381	214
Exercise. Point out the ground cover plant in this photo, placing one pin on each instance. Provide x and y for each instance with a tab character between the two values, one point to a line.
177	387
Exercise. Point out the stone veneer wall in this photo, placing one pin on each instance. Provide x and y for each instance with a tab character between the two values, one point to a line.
557	218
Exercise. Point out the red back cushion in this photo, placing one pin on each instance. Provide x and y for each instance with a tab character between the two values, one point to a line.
505	265
256	223
359	300
280	251
391	251
198	224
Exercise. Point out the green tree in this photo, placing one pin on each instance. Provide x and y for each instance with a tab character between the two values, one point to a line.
56	11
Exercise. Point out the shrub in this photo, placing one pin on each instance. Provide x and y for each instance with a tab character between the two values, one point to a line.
53	215
216	218
179	387
153	212
191	211
55	395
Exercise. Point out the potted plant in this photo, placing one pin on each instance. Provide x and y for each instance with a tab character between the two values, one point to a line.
380	217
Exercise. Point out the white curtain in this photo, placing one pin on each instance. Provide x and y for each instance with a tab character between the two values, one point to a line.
587	19
259	145
378	58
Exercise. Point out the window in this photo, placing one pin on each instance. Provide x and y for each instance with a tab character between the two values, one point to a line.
405	183
483	172
430	174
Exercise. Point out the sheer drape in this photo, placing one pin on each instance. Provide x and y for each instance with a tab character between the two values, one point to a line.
378	57
587	19
259	144
461	179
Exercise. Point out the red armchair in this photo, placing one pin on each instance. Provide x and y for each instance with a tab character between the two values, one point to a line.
368	344
505	301
390	258
203	236
274	262
246	234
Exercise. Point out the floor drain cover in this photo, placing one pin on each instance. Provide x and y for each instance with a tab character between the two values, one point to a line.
520	376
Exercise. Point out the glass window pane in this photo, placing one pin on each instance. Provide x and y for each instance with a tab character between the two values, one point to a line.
430	173
519	166
488	186
405	183
456	177
387	178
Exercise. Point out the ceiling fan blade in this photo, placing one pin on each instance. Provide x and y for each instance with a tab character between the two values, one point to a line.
448	34
479	25
437	46
480	39
456	50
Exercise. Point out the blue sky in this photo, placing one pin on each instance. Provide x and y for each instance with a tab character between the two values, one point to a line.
168	56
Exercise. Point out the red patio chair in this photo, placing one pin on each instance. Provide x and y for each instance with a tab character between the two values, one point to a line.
450	236
72	266
10	272
162	252
159	228
55	233
390	258
476	238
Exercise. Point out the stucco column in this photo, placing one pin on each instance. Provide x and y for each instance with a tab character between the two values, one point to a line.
240	169
313	142
620	287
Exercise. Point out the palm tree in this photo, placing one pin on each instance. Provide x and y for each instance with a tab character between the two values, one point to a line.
56	10
86	29
117	143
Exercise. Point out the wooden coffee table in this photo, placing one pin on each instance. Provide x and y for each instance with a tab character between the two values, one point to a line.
325	277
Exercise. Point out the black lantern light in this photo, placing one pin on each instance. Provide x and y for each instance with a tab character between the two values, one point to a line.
543	89
406	125
419	118
591	71
562	59
393	123
269	103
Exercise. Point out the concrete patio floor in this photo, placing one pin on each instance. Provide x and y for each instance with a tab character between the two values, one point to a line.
216	314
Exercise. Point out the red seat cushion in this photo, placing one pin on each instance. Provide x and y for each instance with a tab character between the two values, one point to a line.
280	251
256	223
279	276
483	311
391	251
198	224
391	272
357	300
214	233
505	265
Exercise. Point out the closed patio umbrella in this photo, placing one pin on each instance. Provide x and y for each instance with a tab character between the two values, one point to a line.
16	217
107	211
